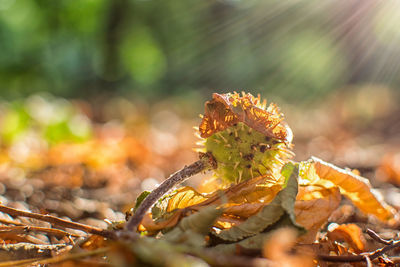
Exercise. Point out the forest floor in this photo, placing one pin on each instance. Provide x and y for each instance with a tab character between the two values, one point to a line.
96	181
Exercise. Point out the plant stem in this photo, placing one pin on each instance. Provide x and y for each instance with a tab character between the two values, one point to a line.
164	187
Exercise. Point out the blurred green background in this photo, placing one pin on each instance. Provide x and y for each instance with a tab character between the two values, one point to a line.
291	49
107	90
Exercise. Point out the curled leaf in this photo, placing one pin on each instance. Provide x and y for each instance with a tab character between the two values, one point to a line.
270	214
239	201
314	204
184	197
201	221
148	224
357	189
350	233
192	229
257	241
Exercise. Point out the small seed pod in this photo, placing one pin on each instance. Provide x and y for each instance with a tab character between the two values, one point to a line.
246	138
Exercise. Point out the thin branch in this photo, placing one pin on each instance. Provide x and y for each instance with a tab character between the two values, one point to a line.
354	258
368	261
26	229
58	222
12	252
25	262
175	179
5	221
377	238
22	238
70	256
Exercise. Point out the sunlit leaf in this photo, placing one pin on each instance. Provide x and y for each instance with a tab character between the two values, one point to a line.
314	204
257	241
258	190
270	214
350	233
357	189
148	224
184	197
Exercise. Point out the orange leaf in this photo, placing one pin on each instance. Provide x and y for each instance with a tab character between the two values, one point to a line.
357	189
261	189
148	224
314	204
239	201
350	233
390	168
278	248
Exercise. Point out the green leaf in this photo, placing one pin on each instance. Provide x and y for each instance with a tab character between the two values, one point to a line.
140	199
192	229
288	195
255	224
153	252
257	241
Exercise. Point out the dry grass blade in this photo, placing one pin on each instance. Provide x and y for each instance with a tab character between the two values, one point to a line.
20	251
5	221
26	229
58	222
26	262
21	238
69	256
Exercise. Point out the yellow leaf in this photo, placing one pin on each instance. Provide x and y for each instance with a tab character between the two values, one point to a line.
314	204
261	189
239	201
357	189
184	197
209	185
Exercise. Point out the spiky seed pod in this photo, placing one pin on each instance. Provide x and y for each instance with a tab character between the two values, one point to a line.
245	137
